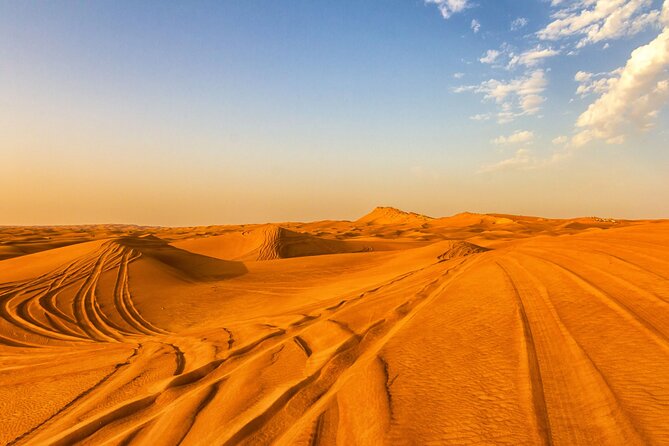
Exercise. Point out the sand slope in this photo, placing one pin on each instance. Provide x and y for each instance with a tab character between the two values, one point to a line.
452	331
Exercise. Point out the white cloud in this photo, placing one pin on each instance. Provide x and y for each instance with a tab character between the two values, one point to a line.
582	76
458	75
529	58
599	20
516	97
449	7
560	140
632	98
490	57
522	159
629	99
532	57
475	25
519	23
518	137
596	83
480	117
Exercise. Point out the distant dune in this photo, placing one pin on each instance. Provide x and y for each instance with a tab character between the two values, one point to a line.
396	328
391	216
471	219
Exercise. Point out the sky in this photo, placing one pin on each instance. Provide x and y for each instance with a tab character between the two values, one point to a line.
226	112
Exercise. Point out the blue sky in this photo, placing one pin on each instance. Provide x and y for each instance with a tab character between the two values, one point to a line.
231	112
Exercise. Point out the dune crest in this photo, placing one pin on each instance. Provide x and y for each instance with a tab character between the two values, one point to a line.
385	215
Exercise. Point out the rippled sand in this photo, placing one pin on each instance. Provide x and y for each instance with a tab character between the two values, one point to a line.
393	329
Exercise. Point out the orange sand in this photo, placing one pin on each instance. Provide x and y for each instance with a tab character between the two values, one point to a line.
394	329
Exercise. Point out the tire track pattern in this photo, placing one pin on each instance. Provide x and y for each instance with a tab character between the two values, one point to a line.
283	381
62	306
202	387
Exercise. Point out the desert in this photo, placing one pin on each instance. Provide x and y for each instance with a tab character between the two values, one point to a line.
343	223
396	328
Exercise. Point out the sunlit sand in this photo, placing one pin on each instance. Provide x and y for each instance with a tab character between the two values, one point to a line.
397	328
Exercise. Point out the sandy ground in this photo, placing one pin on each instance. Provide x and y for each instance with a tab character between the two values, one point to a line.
394	329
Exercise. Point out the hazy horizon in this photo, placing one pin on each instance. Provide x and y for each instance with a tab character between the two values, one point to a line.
313	220
251	112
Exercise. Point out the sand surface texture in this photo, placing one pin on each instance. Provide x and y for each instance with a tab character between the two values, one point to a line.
396	328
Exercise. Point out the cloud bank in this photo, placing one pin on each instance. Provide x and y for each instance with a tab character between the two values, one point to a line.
600	20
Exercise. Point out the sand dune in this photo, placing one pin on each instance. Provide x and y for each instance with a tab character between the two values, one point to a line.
385	215
267	242
472	219
393	329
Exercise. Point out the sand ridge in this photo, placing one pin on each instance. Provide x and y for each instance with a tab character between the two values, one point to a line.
393	329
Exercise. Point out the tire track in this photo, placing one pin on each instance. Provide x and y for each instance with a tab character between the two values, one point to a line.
123	299
573	384
612	302
614	278
76	399
534	368
204	376
208	398
34	308
432	291
99	327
